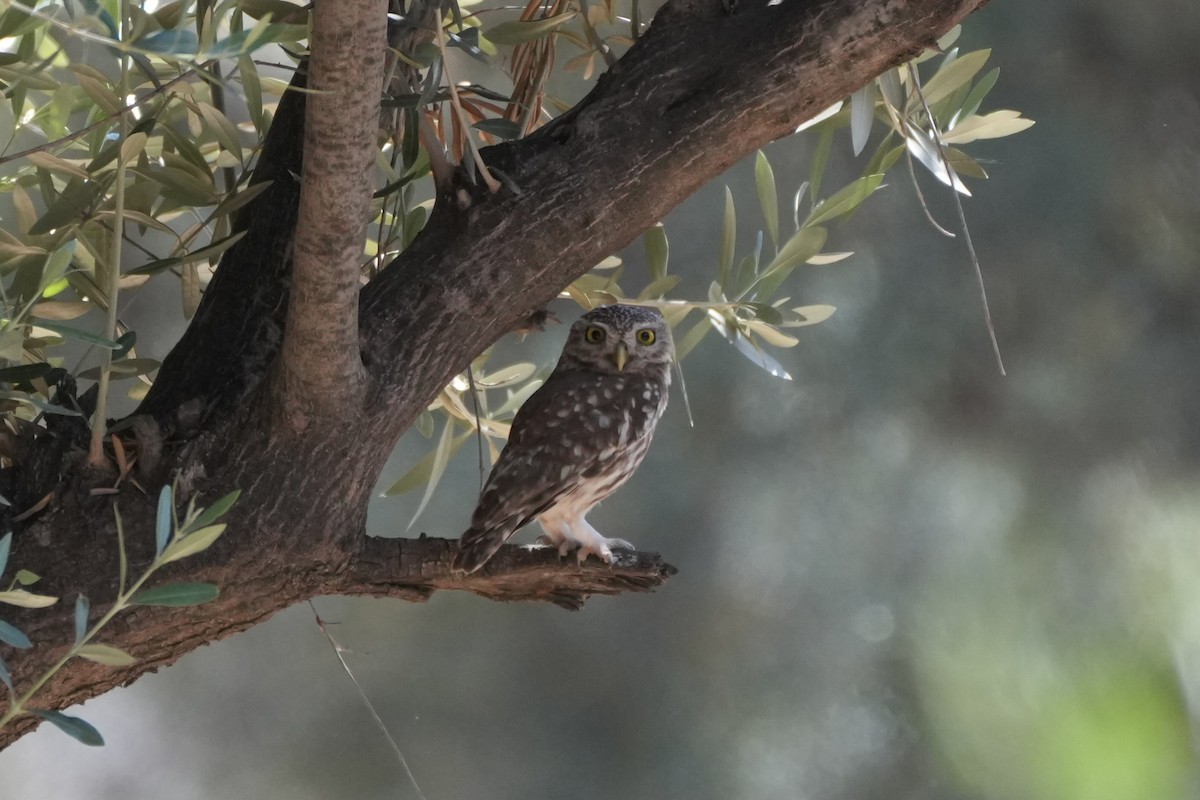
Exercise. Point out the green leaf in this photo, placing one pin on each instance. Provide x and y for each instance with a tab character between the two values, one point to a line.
73	727
209	250
221	128
845	199
987	126
193	543
658	251
501	128
13	636
862	115
162	521
5	546
922	147
24	599
80	335
954	75
768	196
171	42
820	159
215	511
979	91
518	31
747	347
81	617
728	239
507	376
658	288
27	578
6	677
803	245
446	447
76	201
105	654
419	474
691	339
39	403
174	595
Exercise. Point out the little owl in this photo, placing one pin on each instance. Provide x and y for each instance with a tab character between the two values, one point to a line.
578	437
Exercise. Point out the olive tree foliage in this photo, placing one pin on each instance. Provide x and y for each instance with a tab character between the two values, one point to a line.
350	224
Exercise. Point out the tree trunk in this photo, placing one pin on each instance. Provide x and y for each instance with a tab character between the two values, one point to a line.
701	89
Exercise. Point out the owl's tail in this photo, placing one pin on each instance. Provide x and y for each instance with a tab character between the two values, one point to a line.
477	546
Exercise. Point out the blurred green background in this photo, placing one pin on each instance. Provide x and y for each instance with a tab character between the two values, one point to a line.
900	576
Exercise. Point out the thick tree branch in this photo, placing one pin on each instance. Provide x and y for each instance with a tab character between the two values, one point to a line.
699	91
320	372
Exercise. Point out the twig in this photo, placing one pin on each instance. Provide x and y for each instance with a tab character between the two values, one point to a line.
962	219
100	123
337	651
456	104
99	421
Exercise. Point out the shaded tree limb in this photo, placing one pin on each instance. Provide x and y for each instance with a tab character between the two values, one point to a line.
700	90
320	374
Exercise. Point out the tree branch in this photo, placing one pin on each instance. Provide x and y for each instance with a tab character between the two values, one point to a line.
700	90
414	568
320	372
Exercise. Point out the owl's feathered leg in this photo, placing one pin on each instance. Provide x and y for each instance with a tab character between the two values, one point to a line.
577	534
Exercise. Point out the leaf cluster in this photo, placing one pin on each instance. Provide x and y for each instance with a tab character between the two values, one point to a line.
174	538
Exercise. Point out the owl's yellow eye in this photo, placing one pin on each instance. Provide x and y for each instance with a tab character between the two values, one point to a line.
594	334
645	336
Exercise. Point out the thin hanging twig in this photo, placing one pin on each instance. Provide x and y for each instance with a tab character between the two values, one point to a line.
337	651
962	219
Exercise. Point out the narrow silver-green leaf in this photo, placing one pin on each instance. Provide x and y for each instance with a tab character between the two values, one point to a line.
6	677
82	607
953	75
105	654
24	599
68	332
768	197
658	288
862	115
747	347
441	456
72	726
5	545
215	511
420	472
658	251
12	635
845	199
193	543
728	239
162	521
691	339
518	31
979	91
177	594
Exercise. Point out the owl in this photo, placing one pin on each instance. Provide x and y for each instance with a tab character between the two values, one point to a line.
578	437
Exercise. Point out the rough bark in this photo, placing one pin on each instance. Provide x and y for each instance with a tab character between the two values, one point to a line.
320	374
700	90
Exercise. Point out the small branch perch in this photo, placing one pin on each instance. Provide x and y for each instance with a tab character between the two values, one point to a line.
413	569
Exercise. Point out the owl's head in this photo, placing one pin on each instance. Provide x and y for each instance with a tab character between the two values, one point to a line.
620	338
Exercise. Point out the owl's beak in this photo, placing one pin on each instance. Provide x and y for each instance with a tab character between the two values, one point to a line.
621	356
